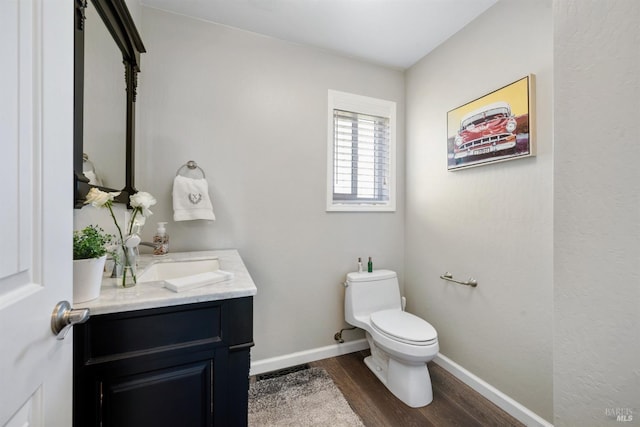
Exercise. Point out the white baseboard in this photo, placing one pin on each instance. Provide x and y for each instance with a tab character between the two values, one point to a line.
293	359
492	394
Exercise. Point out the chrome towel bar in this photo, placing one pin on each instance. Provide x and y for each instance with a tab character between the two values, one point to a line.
471	282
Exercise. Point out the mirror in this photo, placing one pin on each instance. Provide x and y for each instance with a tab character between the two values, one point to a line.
104	105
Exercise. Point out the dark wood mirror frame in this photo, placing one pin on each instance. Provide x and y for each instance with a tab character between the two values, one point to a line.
117	19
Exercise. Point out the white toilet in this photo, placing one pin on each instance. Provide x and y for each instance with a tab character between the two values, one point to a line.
401	343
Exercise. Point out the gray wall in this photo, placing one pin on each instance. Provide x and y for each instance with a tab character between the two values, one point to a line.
596	212
492	222
252	111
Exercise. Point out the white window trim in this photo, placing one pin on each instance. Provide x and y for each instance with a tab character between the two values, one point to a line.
374	107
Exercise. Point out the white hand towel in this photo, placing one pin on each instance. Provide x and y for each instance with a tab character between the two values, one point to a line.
195	281
191	199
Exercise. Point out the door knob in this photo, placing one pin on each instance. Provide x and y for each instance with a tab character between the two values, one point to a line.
64	317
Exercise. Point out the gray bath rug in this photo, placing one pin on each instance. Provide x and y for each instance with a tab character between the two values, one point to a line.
303	398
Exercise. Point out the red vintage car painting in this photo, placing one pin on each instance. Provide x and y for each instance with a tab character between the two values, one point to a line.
493	128
490	129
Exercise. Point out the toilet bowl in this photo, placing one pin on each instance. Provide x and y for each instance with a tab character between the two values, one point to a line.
401	343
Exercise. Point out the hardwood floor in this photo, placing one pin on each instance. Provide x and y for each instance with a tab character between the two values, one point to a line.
454	403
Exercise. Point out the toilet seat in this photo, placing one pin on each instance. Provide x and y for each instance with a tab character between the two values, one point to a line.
404	327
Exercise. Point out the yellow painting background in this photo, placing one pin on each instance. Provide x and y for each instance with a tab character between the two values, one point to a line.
516	94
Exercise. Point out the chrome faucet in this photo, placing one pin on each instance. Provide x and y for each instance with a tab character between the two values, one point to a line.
150	244
158	248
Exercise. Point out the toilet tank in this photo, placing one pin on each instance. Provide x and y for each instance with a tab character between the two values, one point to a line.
366	293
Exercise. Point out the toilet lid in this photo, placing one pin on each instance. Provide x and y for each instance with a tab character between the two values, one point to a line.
404	327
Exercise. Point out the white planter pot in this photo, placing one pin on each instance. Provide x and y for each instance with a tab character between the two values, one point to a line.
87	278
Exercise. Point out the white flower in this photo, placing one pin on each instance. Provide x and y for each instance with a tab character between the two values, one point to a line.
99	198
142	201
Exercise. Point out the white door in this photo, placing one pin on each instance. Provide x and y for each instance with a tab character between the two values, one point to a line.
36	215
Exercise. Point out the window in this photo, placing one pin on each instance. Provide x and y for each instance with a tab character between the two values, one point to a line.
361	153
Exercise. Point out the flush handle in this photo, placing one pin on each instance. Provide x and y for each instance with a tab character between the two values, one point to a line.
64	317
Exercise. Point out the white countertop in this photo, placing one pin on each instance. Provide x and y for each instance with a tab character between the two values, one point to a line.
114	299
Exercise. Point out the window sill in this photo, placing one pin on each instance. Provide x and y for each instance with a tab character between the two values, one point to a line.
344	207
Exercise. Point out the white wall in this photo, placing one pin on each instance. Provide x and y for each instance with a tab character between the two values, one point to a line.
251	111
492	222
596	212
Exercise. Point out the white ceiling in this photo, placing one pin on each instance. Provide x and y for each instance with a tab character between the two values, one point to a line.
396	33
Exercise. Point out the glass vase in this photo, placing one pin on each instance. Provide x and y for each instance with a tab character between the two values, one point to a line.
126	267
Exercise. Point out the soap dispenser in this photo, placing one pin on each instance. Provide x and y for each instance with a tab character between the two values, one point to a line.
161	240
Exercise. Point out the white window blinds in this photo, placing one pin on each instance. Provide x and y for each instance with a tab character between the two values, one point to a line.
361	151
361	158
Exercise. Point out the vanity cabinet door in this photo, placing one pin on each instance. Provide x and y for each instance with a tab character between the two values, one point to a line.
174	396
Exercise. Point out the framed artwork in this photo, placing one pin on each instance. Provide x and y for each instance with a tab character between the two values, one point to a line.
493	128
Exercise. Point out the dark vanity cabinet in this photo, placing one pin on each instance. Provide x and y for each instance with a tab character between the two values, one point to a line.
184	365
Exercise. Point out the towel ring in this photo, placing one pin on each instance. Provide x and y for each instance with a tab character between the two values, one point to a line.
192	169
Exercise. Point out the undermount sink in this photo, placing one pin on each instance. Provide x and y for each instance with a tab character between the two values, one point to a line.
173	269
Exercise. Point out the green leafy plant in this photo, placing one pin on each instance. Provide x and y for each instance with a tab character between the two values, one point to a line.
90	242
